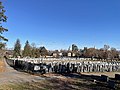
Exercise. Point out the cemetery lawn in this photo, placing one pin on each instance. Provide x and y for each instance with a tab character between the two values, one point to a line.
58	82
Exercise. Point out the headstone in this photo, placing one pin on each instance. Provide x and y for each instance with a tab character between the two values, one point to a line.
111	84
60	68
56	68
36	68
16	63
82	68
73	68
104	78
117	76
68	68
63	69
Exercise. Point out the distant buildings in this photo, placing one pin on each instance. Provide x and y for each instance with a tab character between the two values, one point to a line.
73	51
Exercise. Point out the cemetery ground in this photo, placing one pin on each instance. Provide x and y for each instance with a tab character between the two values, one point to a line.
11	79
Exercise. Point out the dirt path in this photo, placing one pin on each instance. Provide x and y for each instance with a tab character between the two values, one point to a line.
12	76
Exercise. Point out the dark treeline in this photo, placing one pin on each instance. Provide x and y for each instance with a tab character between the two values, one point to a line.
30	50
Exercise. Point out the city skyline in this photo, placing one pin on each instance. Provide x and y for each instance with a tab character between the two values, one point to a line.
59	24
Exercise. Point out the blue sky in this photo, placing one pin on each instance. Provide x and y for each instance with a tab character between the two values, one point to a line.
57	24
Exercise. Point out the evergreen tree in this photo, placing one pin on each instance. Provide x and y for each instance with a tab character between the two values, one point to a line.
27	49
17	49
3	18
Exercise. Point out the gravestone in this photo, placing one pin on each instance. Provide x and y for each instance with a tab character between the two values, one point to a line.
49	66
68	68
63	69
111	84
36	68
16	63
117	76
104	78
56	68
60	68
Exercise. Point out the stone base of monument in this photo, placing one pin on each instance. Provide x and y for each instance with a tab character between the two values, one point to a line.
111	84
104	78
117	76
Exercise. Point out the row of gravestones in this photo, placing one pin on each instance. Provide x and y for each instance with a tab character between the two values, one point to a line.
110	83
66	67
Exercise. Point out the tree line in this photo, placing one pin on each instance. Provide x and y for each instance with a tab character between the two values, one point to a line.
30	50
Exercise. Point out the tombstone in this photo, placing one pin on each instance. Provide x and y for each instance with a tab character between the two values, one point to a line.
16	63
56	68
36	68
20	64
114	68
85	68
75	68
71	68
78	69
91	67
102	68
95	67
82	68
48	66
25	66
99	68
110	68
117	76
63	69
52	68
60	68
68	68
29	67
111	84
44	69
104	78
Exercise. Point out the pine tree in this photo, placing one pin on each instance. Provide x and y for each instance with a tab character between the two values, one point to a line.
17	49
27	49
3	18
